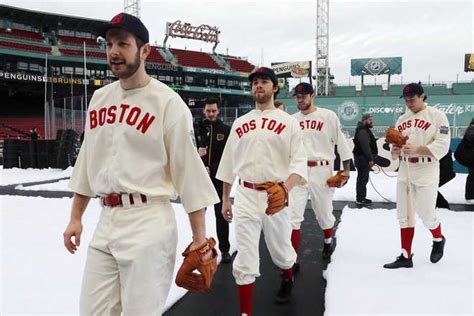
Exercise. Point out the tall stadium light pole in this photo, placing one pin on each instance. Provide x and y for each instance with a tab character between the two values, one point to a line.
322	47
132	7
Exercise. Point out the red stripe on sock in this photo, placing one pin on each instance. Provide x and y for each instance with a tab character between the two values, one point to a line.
287	274
246	298
437	232
295	239
328	233
407	238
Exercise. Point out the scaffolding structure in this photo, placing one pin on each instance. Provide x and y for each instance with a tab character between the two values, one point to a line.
322	47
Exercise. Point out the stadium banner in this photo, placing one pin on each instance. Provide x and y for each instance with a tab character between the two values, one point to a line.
297	69
162	67
11	76
469	62
376	66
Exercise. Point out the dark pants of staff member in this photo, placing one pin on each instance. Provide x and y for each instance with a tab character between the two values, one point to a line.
222	226
363	169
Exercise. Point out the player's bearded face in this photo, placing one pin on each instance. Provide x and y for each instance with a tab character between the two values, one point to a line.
303	101
123	55
262	90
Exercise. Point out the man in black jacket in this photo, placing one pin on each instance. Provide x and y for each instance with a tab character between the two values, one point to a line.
464	154
211	136
365	152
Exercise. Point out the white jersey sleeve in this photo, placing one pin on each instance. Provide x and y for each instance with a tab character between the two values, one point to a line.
439	145
186	168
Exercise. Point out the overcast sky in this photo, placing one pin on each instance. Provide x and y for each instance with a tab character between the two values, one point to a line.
430	36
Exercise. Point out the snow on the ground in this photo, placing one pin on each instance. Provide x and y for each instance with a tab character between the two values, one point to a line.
366	239
17	175
383	183
37	275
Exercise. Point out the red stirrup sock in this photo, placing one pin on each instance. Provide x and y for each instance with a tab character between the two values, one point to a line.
295	239
287	274
407	239
437	232
246	298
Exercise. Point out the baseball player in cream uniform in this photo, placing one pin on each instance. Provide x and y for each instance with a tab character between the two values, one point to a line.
321	132
264	145
137	153
428	141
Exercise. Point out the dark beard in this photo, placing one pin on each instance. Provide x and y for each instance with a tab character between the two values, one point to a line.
306	107
130	69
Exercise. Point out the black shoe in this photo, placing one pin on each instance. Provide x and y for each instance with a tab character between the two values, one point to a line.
226	257
401	262
363	202
296	267
438	250
284	294
328	249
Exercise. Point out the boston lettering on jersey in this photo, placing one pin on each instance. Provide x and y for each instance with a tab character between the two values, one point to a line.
123	114
312	124
271	125
422	124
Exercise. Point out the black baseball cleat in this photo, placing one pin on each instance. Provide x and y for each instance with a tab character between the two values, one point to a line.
296	267
328	249
438	250
401	262
284	293
226	257
363	202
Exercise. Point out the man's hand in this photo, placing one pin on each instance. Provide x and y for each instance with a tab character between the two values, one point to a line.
202	151
227	211
410	149
73	229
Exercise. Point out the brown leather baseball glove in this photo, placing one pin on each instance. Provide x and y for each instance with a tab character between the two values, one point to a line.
338	180
194	260
277	196
395	137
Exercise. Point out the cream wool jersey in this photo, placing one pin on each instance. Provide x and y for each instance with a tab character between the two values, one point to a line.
141	140
428	127
321	131
263	146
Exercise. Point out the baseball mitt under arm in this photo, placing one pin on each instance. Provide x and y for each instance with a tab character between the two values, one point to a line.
194	260
338	180
277	196
395	137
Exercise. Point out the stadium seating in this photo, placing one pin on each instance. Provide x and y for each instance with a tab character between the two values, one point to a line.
463	88
195	59
240	65
371	91
155	56
80	53
19	127
26	47
344	91
70	40
32	36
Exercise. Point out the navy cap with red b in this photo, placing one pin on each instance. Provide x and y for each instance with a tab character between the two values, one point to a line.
264	72
128	23
303	88
412	89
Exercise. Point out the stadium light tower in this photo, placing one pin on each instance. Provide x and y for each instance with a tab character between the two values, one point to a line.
132	7
322	47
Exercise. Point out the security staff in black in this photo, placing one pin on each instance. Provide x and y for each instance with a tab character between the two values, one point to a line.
211	148
365	152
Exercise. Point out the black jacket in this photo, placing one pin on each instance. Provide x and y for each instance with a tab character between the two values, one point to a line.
464	153
364	142
213	136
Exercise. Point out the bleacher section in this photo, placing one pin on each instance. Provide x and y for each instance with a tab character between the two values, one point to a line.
26	47
80	53
69	40
194	59
463	88
368	91
19	127
240	65
22	34
155	56
344	91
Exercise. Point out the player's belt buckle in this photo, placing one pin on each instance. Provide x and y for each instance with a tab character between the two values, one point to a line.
315	163
116	199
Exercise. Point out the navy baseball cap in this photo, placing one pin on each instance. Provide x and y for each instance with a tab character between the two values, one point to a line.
128	23
303	88
264	72
412	89
366	116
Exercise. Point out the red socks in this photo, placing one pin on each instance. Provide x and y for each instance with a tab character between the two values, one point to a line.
328	233
246	298
407	239
295	239
287	274
437	232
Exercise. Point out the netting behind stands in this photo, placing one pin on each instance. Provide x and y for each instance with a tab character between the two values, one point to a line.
66	114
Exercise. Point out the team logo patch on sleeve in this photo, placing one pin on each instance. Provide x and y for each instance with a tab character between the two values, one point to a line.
220	137
443	129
